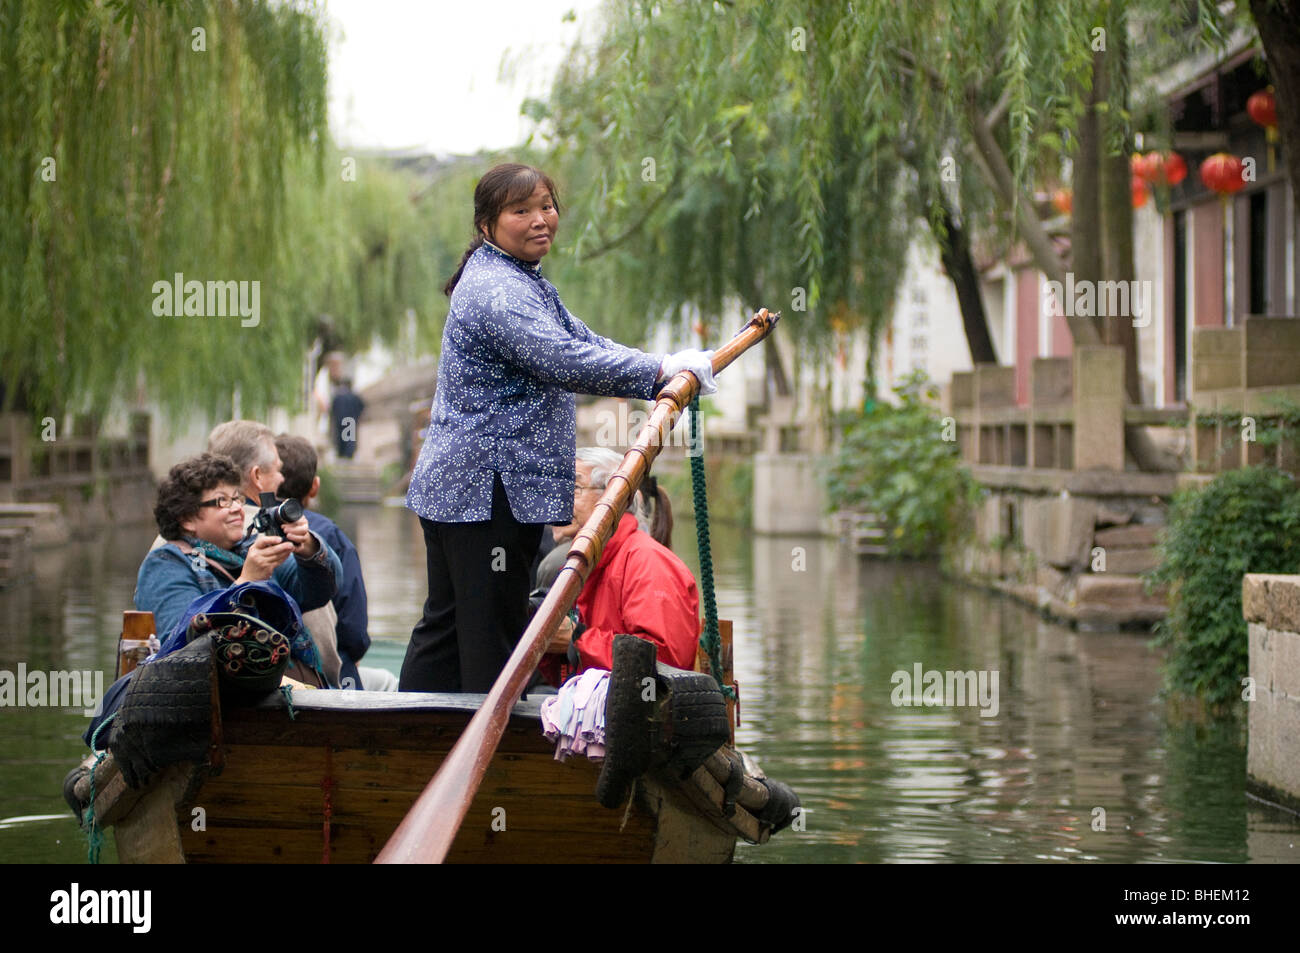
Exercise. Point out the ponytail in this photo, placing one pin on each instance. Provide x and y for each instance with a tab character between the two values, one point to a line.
661	528
474	246
652	503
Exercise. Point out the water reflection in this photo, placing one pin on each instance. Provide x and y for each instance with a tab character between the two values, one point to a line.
818	634
1079	729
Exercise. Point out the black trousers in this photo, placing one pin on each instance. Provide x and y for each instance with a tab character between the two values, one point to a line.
478	600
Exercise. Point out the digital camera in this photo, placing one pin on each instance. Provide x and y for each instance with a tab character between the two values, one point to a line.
274	515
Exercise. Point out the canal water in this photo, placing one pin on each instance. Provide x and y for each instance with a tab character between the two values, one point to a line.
1080	735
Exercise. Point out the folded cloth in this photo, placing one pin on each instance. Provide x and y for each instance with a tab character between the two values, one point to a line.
575	717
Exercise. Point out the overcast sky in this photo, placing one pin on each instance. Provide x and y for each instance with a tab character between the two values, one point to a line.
428	76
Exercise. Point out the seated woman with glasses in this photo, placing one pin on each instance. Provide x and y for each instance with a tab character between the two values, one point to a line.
200	514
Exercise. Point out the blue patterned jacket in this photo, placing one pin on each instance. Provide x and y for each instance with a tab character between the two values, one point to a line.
512	355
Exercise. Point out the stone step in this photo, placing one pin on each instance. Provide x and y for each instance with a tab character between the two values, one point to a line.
1134	536
44	522
1103	586
357	482
361	496
864	531
1131	561
11	536
15	564
1108	600
1117	592
29	509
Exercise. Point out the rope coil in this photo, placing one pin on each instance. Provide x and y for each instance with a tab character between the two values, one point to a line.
95	836
287	692
710	640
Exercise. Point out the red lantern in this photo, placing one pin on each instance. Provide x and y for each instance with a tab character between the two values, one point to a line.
1139	192
1262	108
1063	201
1222	173
1146	167
1174	169
1160	168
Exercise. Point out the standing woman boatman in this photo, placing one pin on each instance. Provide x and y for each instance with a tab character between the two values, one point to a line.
497	463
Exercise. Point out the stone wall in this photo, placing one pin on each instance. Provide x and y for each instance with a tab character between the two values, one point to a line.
1243	379
25	527
1074	544
1271	605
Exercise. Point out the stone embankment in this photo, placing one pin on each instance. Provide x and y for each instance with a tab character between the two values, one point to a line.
1074	545
1271	605
23	528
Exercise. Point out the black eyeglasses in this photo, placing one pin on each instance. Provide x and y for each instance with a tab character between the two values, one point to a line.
222	502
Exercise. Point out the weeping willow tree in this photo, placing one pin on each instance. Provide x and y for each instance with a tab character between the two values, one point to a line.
802	146
705	161
367	248
146	140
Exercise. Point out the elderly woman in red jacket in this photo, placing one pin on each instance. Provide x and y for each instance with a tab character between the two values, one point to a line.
638	587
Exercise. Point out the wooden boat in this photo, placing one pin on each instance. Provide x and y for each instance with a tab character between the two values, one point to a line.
340	776
326	776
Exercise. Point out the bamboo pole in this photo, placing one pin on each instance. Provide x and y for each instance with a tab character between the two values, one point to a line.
429	828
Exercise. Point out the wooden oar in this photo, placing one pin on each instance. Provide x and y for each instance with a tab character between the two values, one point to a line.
426	833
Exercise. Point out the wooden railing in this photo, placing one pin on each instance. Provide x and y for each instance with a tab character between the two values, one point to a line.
30	466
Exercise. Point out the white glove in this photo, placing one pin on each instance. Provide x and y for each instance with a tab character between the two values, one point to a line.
699	363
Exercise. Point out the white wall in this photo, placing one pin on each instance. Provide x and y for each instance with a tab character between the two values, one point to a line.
925	332
1148	261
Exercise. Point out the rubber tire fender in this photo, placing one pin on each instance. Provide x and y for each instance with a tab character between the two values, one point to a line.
781	805
629	720
699	720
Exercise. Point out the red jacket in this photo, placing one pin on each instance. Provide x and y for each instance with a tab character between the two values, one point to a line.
641	588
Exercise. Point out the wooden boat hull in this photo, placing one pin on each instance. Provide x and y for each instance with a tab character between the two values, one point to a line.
333	782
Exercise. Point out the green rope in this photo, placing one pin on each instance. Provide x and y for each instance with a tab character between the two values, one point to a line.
287	692
709	638
95	836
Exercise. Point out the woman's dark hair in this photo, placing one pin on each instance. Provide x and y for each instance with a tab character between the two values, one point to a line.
660	511
500	186
181	493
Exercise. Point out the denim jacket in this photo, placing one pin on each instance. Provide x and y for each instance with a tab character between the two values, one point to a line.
512	355
169	580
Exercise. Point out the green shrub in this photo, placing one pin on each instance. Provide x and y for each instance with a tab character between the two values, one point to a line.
894	461
1244	521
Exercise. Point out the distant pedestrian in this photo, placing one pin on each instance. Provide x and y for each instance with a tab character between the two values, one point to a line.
345	413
